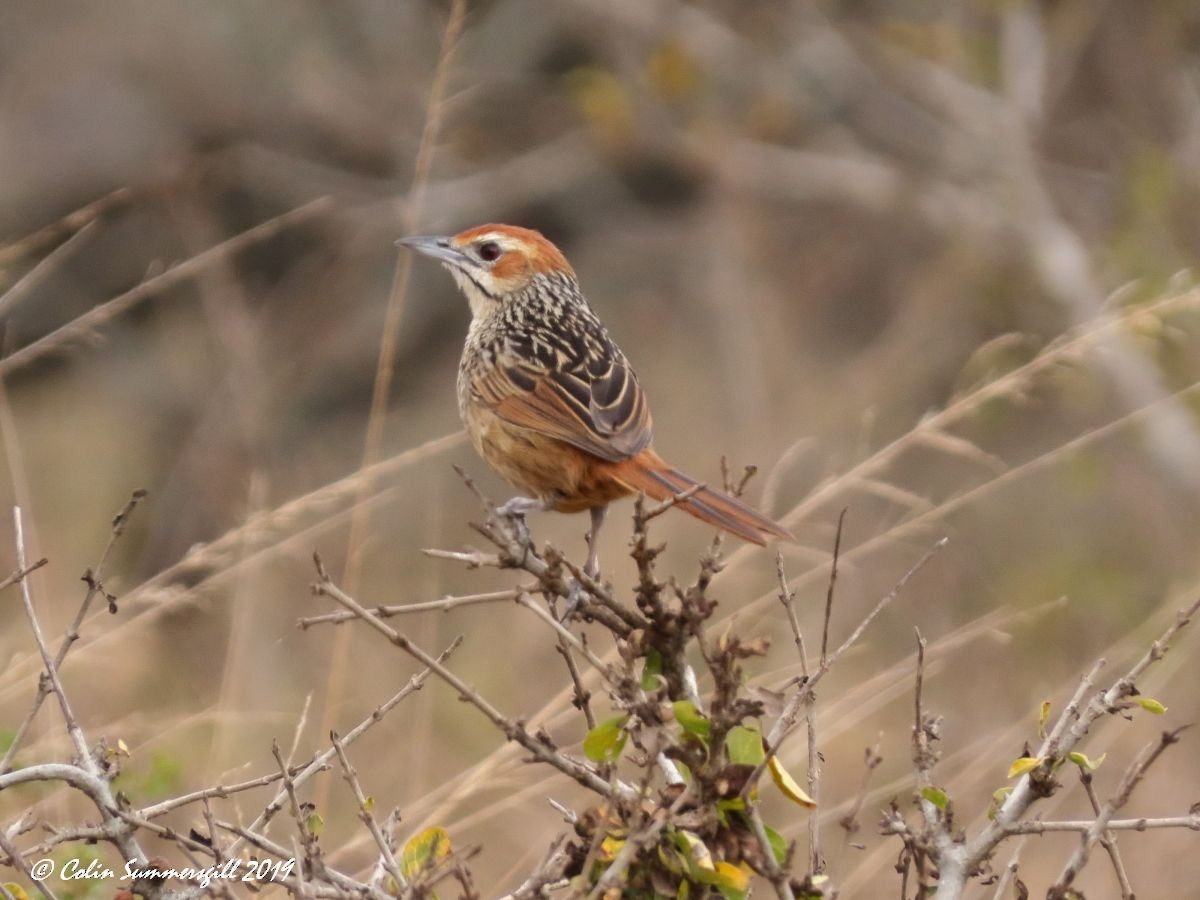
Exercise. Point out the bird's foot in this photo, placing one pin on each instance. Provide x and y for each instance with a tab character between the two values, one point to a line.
518	506
514	510
574	598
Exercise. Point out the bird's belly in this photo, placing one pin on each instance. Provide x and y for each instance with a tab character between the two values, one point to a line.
566	478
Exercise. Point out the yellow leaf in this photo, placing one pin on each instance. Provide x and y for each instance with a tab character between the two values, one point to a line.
1043	717
424	850
788	785
16	890
731	876
672	71
122	747
604	102
609	848
1023	765
1151	705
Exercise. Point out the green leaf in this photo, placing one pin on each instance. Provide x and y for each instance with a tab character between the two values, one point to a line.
1150	705
733	804
936	796
423	850
1023	764
779	844
998	798
1043	718
692	720
652	671
699	858
315	824
605	742
744	745
1083	762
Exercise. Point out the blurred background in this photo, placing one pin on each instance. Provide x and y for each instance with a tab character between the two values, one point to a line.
811	226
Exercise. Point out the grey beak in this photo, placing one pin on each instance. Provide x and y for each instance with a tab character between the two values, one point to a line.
437	247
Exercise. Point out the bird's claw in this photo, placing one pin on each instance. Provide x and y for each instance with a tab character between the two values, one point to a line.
574	598
521	528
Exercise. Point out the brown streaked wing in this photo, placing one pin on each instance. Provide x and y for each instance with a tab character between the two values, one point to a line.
601	412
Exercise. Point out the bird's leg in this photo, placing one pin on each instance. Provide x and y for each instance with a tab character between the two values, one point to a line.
518	506
592	567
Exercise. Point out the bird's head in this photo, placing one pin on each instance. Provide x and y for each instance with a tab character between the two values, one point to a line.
491	263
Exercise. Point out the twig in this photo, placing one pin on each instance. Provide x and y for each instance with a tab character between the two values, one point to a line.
93	578
20	574
634	844
341	883
787	598
1107	840
775	874
849	821
785	722
512	729
837	550
321	760
308	838
1068	730
659	508
444	605
1010	872
17	861
583	696
816	863
386	853
73	729
1043	826
546	874
566	636
1133	775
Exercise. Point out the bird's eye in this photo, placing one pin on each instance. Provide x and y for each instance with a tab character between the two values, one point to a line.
489	251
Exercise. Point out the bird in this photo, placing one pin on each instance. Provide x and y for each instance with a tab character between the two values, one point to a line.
548	398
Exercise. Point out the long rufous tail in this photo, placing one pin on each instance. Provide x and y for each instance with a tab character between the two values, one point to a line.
649	474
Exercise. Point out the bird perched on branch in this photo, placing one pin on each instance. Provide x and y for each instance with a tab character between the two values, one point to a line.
549	401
